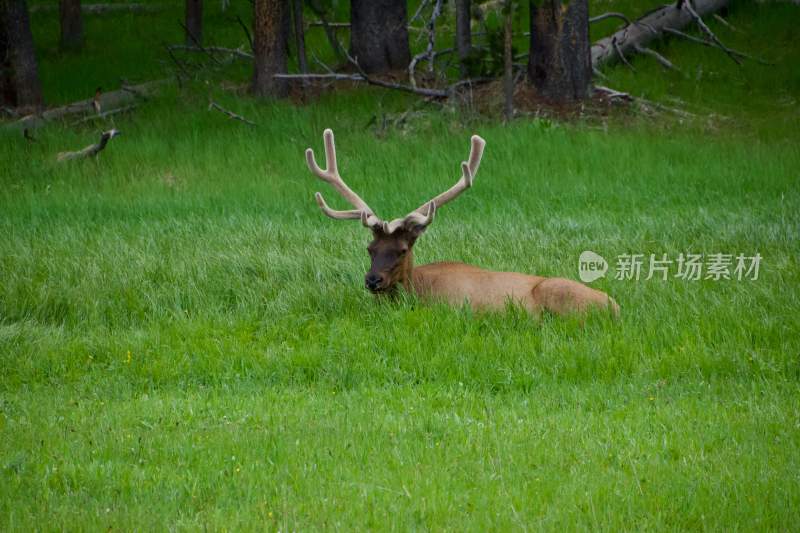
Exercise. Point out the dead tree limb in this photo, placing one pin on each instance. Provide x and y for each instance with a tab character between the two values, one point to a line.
609	15
329	32
711	35
725	22
418	12
389	85
648	27
621	56
613	94
90	151
198	44
105	114
712	44
434	93
429	53
213	105
246	31
666	63
437	10
320	24
235	52
181	70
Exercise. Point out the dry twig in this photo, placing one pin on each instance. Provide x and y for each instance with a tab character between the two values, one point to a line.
213	105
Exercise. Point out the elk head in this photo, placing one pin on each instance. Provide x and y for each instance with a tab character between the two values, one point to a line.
390	249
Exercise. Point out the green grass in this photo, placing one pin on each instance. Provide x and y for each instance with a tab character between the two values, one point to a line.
185	342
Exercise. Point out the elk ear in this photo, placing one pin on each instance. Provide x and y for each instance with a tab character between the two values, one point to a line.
416	224
415	230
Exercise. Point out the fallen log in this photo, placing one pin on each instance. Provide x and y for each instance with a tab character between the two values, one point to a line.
111	100
649	27
99	9
90	151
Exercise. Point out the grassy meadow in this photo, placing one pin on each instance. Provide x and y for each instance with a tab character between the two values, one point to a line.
186	343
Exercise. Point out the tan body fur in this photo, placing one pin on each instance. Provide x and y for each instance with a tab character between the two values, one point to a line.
484	290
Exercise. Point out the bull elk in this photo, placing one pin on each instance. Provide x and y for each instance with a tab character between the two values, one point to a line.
455	283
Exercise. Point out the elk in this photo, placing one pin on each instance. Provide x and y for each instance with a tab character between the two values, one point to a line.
455	283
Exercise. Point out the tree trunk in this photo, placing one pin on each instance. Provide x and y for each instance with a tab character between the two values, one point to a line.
71	24
20	72
463	34
379	35
650	27
6	83
508	60
269	47
300	36
194	22
560	64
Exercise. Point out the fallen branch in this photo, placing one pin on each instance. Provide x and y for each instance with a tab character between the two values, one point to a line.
236	52
435	93
321	24
725	23
326	26
711	35
389	85
621	55
91	150
711	44
604	16
198	44
246	31
213	105
418	12
181	67
105	114
666	63
612	94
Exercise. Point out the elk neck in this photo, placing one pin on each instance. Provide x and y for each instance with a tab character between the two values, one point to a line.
406	269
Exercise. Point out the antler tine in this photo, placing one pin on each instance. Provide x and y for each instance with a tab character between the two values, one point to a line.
468	170
331	175
333	213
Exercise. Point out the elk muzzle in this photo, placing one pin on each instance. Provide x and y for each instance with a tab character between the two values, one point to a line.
375	282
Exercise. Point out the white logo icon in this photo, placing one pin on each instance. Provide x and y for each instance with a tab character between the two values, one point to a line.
591	266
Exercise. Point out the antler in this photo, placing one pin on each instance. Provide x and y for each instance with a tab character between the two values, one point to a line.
420	217
331	175
423	215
